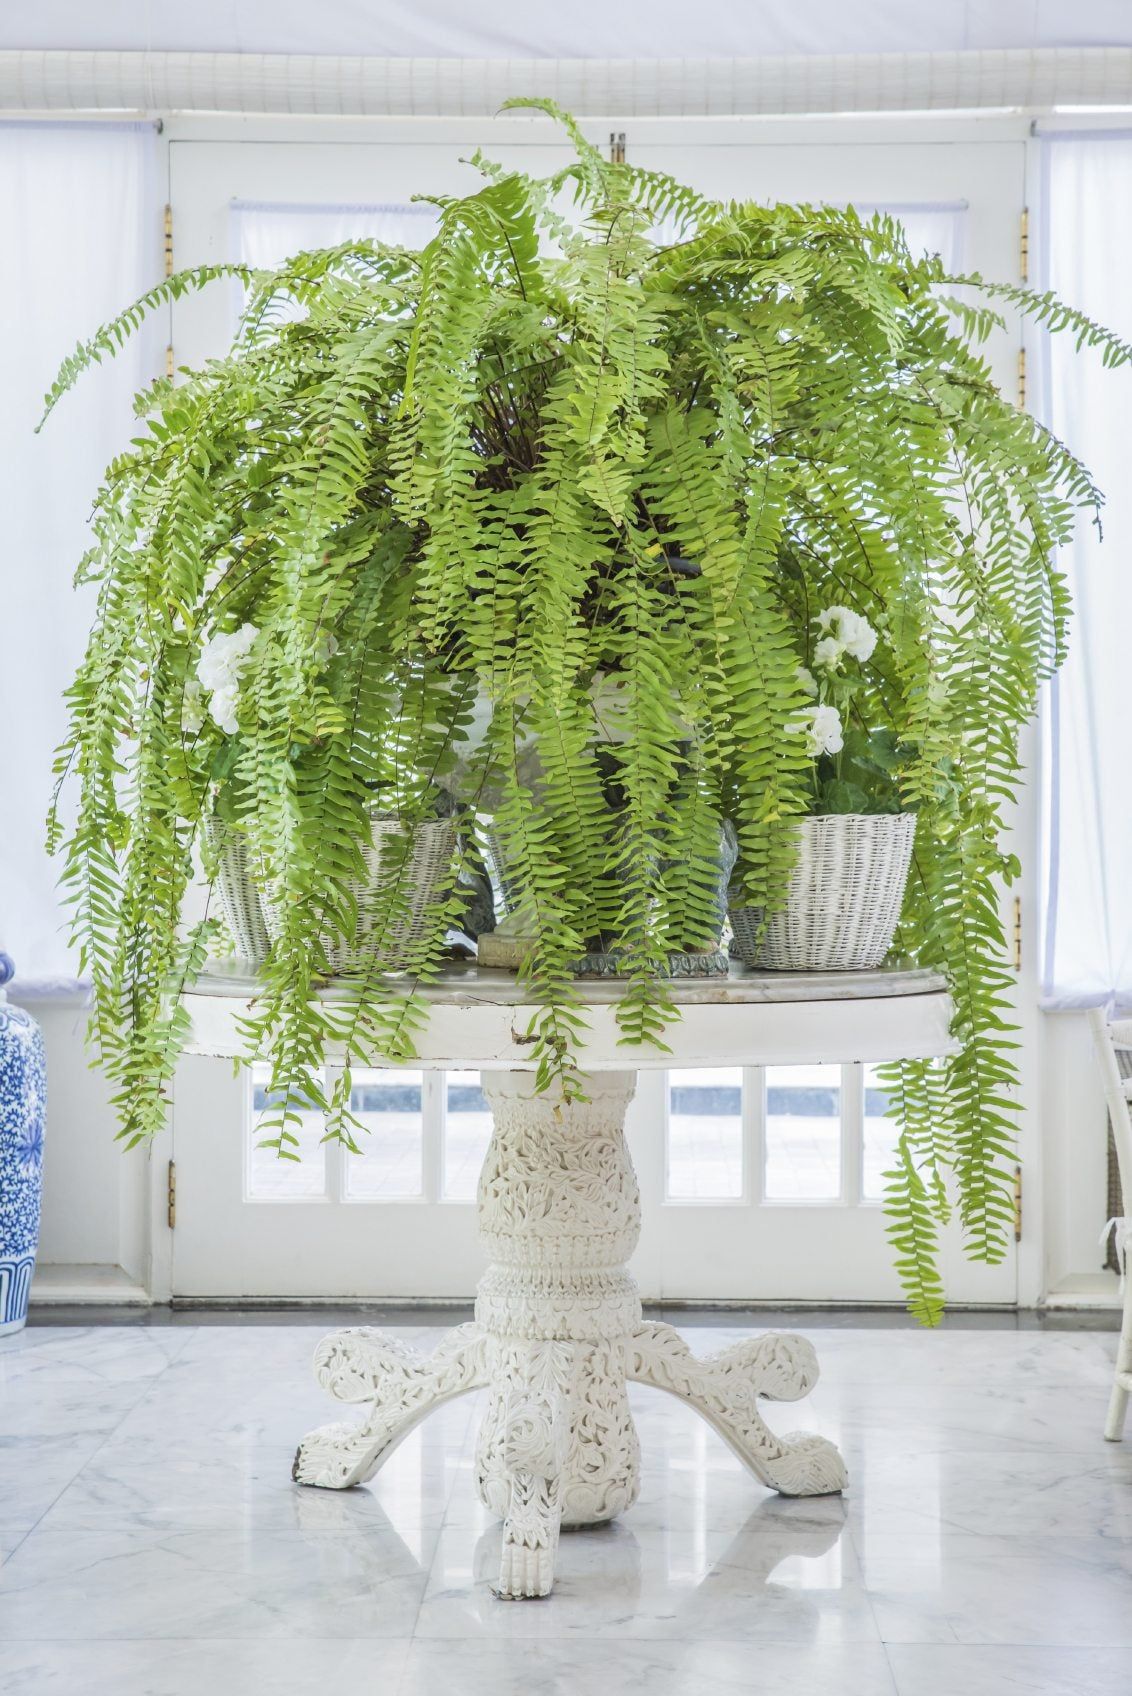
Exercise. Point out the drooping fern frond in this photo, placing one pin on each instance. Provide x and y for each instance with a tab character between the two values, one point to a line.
112	336
542	530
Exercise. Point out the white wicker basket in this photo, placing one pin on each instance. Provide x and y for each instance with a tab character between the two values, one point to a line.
239	897
423	879
843	900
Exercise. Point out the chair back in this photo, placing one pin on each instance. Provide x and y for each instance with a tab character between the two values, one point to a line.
1112	1039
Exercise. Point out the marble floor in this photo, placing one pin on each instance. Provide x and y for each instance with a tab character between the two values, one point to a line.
151	1543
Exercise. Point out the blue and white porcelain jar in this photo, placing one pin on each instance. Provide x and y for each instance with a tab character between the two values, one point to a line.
23	1103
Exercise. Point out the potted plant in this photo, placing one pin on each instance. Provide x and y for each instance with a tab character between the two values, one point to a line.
484	470
377	927
853	848
695	934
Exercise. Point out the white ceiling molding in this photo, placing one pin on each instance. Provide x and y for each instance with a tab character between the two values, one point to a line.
584	29
49	81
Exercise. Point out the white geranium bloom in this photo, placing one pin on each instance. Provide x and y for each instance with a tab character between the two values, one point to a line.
222	707
223	660
828	653
821	727
853	634
862	641
192	708
224	656
808	682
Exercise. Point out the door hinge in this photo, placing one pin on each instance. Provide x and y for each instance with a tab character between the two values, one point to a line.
1017	933
1017	1204
617	147
169	365
1022	379
171	1195
1024	245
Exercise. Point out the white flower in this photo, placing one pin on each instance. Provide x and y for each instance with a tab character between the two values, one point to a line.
851	633
223	706
806	679
192	708
827	653
224	657
222	662
863	641
821	727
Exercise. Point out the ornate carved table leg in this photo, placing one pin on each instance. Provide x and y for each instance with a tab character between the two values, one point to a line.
401	1385
536	1435
557	1335
559	1216
725	1388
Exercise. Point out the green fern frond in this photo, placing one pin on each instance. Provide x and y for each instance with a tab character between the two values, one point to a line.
539	527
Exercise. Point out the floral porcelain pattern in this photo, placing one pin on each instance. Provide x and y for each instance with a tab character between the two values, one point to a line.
23	1096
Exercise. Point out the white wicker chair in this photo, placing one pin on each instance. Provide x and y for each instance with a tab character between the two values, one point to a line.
1109	1038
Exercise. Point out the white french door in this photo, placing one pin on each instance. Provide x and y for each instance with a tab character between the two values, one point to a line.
755	1183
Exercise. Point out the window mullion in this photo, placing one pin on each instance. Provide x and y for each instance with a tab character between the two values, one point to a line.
432	1134
754	1135
852	1132
334	1175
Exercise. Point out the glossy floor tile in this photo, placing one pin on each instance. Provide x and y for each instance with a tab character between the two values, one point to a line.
152	1544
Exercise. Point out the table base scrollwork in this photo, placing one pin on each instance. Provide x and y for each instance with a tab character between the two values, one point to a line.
557	1337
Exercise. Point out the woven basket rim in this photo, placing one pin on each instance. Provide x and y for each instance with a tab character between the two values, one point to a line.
819	820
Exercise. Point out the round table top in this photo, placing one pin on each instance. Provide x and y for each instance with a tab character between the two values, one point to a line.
481	1018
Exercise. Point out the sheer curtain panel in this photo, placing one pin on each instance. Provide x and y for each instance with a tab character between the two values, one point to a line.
81	238
1087	954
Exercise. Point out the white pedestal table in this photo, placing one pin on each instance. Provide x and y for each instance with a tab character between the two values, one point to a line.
558	1332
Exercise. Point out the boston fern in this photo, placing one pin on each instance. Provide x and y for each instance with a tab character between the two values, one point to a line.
602	439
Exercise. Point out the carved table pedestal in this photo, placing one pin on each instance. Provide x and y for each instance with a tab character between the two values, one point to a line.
558	1333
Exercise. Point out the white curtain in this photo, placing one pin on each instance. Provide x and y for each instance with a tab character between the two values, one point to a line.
265	232
81	239
1087	952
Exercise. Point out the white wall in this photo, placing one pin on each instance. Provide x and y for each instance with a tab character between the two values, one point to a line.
1075	1140
95	1192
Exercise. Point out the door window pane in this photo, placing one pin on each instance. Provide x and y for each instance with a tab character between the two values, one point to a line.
928	228
803	1133
467	1132
705	1134
880	1139
263	234
388	1105
269	1177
